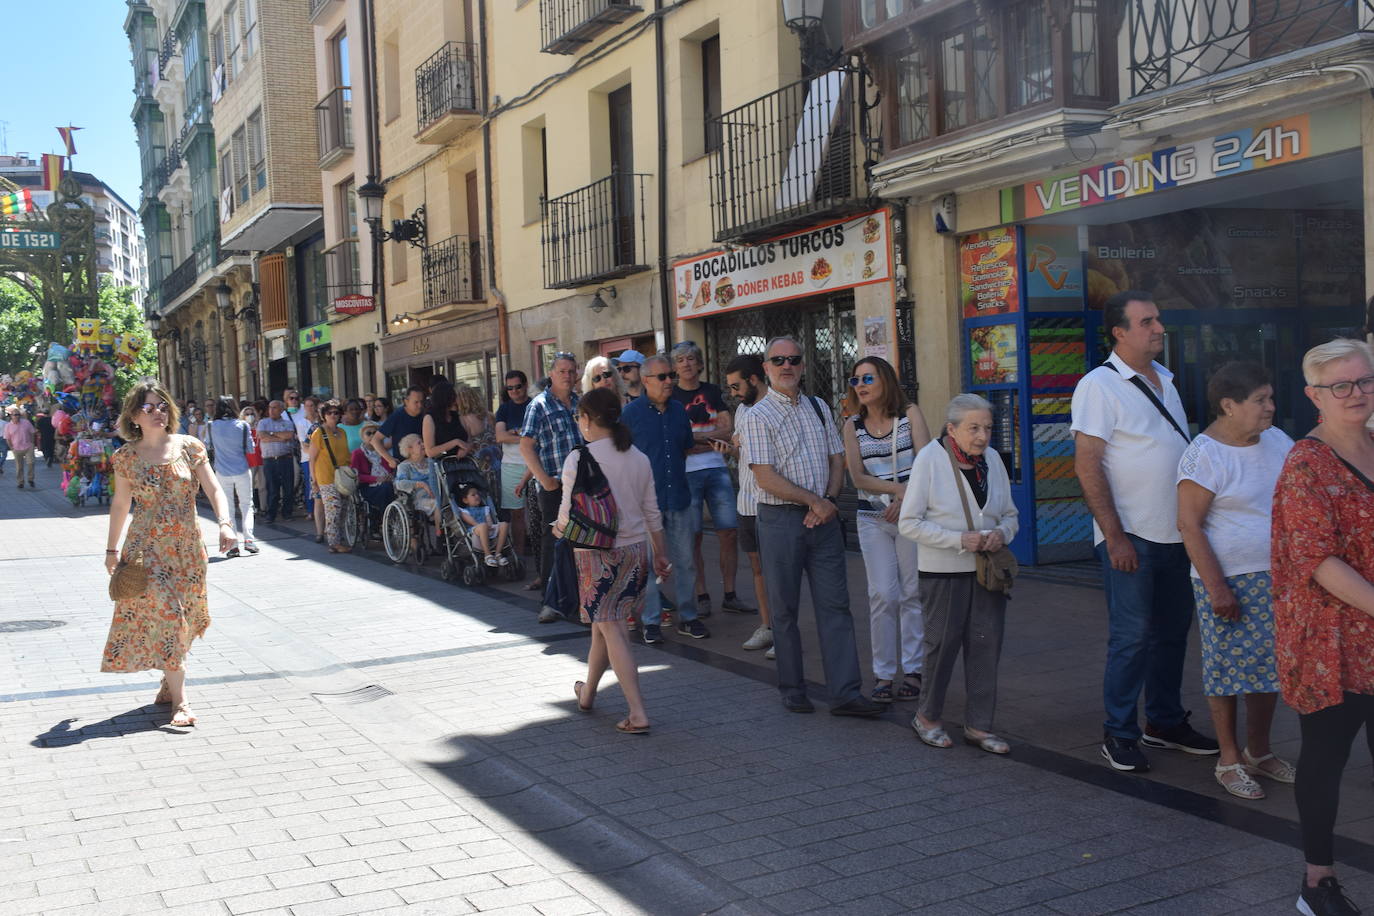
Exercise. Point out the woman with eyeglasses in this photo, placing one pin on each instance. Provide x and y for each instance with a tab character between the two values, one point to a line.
328	451
1323	574
599	373
510	419
881	439
157	474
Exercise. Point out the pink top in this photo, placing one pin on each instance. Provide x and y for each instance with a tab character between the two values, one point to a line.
632	485
19	434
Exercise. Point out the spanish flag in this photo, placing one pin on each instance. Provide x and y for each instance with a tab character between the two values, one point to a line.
52	171
14	204
68	138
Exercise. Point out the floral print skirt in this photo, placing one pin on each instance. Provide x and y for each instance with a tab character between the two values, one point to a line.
1238	656
610	583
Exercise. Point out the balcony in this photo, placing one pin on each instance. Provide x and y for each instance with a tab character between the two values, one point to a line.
343	270
162	173
179	280
166	53
595	233
568	25
1178	41
447	99
318	6
334	126
451	271
788	159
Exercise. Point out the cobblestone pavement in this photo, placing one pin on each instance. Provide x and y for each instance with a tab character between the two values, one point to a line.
373	741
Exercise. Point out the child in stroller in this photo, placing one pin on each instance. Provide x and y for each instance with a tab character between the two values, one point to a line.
488	534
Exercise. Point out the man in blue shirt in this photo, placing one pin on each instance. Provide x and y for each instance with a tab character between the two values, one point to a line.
661	430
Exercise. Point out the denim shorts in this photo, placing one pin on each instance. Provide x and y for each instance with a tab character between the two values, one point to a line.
713	487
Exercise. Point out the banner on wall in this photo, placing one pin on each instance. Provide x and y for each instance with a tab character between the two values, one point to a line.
1054	269
993	355
988	272
822	259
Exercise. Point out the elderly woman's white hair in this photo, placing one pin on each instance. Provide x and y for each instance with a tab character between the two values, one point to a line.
599	365
961	404
1317	358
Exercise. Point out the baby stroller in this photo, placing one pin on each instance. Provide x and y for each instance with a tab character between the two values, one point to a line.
464	558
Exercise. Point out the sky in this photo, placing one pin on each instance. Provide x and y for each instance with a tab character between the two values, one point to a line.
68	62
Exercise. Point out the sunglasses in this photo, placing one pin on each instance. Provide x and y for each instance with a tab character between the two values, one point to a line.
663	376
514	387
292	397
627	368
789	360
601	377
866	379
158	408
333	413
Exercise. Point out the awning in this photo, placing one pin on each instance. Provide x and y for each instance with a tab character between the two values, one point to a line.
273	227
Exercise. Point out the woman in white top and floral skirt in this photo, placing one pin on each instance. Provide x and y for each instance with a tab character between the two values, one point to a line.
611	581
881	439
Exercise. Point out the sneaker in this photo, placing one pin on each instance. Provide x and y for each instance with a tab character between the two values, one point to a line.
1180	737
734	605
1326	899
503	561
250	546
232	553
703	606
693	628
492	561
549	615
771	654
1124	755
762	639
653	634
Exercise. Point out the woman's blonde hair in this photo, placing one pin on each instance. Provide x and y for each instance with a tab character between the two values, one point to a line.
468	399
133	403
598	365
407	441
1317	358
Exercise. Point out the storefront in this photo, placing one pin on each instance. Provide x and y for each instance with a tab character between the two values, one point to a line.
463	351
317	360
1250	241
820	285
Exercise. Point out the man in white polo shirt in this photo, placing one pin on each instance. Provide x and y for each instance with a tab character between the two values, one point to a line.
1129	432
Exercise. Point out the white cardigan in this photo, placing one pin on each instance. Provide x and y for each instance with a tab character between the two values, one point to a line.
933	517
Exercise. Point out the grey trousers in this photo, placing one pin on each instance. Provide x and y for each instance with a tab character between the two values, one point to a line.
961	615
789	550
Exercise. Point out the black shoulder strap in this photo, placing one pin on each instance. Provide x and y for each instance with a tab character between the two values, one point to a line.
1359	475
815	405
1159	406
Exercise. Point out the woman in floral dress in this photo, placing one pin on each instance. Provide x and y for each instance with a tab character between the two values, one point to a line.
157	474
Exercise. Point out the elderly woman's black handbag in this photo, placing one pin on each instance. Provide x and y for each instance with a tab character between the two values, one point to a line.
995	570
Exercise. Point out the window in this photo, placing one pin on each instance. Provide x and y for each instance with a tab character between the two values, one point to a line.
338	59
1030	56
391	80
710	91
348	209
876	12
232	41
240	144
1085	61
257	150
250	28
968	66
311	282
226	184
534	168
913	99
543	351
369	366
348	360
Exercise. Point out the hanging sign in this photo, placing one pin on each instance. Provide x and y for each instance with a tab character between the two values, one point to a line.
317	335
354	304
822	259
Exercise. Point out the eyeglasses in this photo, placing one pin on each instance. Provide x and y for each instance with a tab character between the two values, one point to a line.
663	376
627	368
601	377
789	360
158	408
1346	389
867	378
333	413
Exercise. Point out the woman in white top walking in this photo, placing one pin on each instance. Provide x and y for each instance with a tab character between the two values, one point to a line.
611	582
881	439
1226	481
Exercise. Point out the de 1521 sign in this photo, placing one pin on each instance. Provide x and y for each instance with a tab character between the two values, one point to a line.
40	241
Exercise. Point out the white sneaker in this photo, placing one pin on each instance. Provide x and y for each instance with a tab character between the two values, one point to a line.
762	639
492	561
503	561
771	654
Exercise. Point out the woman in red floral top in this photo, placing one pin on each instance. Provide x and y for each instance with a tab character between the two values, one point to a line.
1323	567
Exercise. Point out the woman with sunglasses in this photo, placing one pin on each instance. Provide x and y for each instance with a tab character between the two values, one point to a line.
881	439
328	451
599	373
157	474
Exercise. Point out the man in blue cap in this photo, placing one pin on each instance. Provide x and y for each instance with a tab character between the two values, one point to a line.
628	364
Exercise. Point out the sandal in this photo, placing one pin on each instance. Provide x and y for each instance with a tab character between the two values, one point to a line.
935	736
577	691
164	694
911	687
183	717
882	693
1271	766
1237	781
626	727
989	742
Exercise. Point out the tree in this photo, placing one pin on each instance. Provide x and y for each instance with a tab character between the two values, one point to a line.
119	311
21	328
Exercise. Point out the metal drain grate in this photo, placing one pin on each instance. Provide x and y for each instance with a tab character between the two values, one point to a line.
25	626
368	694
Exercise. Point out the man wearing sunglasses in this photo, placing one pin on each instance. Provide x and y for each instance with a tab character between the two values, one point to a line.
628	364
798	464
547	439
660	428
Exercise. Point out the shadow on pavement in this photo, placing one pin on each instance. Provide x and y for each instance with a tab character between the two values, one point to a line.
143	719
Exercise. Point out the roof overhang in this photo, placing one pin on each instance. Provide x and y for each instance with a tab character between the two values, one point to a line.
274	226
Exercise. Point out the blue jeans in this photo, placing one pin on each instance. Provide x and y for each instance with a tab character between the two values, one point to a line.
678	531
280	478
713	487
307	489
1149	613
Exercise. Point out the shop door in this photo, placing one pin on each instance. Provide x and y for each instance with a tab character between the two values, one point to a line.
474	252
622	168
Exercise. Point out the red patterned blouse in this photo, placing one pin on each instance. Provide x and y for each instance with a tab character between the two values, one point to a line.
1322	508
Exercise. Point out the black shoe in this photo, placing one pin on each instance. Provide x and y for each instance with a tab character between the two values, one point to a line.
232	553
286	516
319	539
798	703
1124	755
693	628
21	484
732	603
1326	899
1180	737
703	606
653	634
860	706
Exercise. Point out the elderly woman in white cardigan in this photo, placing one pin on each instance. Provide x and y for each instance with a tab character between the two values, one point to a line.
959	613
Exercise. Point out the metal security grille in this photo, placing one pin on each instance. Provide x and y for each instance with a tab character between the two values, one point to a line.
826	333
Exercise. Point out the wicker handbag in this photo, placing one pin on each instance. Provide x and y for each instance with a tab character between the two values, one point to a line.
130	578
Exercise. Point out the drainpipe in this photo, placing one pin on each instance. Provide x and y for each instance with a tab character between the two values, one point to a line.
502	315
665	285
374	150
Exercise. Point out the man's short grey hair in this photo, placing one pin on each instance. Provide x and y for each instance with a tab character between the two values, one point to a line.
688	348
655	360
1317	358
780	339
961	404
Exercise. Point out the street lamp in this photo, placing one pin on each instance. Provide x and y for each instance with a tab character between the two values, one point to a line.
410	230
598	304
804	18
224	298
155	324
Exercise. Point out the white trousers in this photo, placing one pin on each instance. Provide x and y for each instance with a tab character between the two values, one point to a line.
894	601
240	486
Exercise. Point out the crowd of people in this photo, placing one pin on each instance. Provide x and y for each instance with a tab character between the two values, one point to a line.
1262	540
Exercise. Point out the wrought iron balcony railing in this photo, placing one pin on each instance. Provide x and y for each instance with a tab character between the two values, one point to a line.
788	158
595	233
180	279
452	271
166	53
343	270
567	25
1176	41
334	125
446	84
169	164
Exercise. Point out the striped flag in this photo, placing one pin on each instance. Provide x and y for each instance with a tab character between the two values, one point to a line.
52	171
68	137
14	204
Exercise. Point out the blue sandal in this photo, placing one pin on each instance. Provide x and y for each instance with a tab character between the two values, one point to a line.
882	693
911	687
